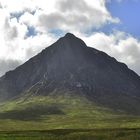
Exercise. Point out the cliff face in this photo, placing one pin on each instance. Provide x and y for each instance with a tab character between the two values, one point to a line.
69	64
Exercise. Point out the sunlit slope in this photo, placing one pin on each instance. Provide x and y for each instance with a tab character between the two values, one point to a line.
61	112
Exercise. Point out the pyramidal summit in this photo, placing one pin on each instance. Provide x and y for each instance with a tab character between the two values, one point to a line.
70	69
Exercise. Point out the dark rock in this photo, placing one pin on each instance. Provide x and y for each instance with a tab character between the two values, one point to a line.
69	64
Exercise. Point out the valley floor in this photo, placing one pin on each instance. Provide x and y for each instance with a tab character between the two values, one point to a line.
64	118
73	134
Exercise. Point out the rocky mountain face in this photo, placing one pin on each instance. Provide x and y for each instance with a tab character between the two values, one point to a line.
70	65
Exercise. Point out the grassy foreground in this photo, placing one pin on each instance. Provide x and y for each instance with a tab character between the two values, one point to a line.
69	134
64	118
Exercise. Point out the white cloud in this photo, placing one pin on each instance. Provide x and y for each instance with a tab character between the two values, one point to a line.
62	14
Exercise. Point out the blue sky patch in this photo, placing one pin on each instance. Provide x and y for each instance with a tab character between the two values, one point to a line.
16	15
128	11
31	31
57	32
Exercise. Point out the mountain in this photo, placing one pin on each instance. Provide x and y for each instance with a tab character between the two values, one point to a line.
70	68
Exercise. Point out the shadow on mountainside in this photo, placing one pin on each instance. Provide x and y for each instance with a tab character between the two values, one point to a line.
32	113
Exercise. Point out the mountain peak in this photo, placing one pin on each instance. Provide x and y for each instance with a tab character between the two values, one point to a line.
69	35
70	40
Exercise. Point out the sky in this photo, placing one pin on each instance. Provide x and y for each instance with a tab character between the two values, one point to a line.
28	26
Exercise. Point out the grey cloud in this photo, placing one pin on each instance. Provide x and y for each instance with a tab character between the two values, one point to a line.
73	15
6	65
6	24
0	5
10	32
93	15
77	6
56	20
51	21
72	5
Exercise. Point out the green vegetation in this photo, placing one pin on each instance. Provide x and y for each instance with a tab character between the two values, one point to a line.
72	134
64	117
